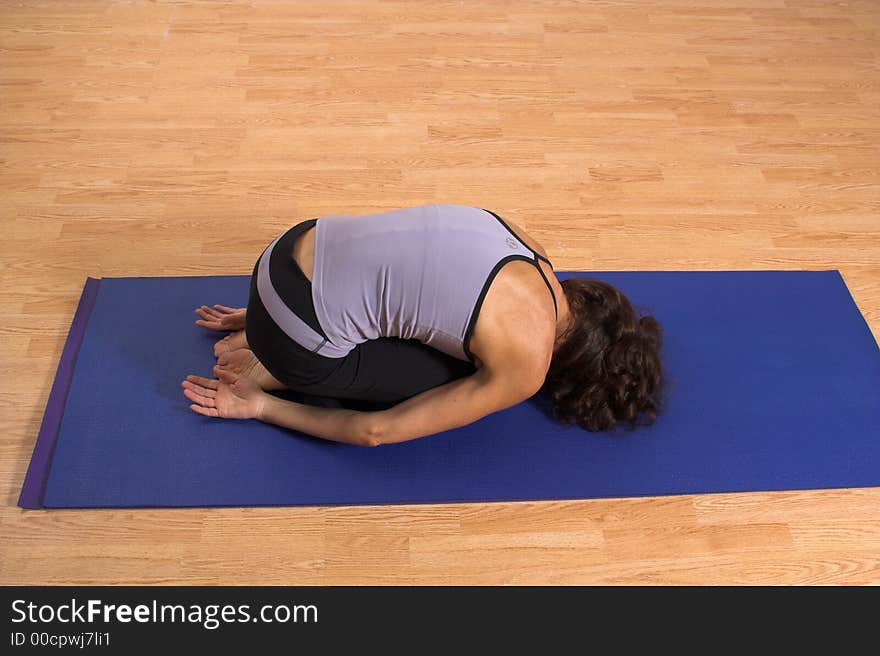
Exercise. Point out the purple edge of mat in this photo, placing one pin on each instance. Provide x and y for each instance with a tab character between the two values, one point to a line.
34	486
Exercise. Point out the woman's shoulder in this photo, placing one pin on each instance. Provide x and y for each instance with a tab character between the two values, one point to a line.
529	241
516	328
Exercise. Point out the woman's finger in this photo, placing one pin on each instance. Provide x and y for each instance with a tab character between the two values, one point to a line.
212	312
207	313
212	325
208	317
198	389
208	412
203	401
204	382
225	309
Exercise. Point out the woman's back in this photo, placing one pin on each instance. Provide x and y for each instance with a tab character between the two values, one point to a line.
414	273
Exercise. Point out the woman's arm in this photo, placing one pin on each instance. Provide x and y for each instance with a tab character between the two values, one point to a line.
448	406
239	397
452	405
514	365
334	424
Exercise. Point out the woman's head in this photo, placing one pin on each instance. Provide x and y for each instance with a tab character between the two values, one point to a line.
606	367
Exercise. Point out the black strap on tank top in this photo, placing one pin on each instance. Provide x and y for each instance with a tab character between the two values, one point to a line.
538	257
536	262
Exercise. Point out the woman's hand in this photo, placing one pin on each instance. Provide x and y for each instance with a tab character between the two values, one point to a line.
230	397
221	317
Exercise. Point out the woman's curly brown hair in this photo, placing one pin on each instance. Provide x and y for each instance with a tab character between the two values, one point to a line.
606	367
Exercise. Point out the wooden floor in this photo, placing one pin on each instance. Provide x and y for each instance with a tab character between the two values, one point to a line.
178	138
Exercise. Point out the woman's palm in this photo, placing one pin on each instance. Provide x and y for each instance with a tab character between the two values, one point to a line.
239	400
221	317
229	398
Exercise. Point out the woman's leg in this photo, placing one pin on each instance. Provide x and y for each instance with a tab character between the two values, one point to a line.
288	362
292	365
385	371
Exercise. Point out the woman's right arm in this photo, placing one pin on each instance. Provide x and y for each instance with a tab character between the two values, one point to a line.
513	369
455	404
442	408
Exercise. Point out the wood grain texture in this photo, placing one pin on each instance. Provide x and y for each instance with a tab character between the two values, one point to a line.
178	138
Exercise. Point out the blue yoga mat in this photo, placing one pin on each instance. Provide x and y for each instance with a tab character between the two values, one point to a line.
774	385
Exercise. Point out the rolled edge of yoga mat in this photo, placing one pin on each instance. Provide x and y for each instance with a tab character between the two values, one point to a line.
34	485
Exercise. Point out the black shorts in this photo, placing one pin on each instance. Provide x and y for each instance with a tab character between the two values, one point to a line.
375	374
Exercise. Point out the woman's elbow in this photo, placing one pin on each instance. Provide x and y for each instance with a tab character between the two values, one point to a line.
372	440
380	428
373	431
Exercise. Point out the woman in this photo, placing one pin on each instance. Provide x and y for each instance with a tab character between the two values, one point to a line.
436	315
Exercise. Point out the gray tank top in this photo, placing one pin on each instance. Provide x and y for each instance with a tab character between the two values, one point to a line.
414	273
